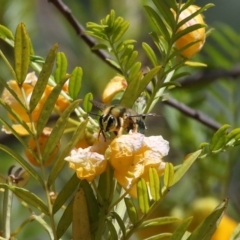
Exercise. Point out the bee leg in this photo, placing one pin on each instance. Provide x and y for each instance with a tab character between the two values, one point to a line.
101	131
135	128
120	131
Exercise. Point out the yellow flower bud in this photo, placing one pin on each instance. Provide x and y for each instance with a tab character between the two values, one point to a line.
116	85
196	35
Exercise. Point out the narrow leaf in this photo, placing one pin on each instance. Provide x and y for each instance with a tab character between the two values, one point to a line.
219	138
75	82
181	229
112	231
120	223
43	78
207	228
188	161
22	162
92	205
28	197
168	175
159	221
61	69
65	220
131	210
143	199
150	53
6	35
58	130
48	107
66	192
118	33
154	184
236	233
87	104
40	219
159	236
21	53
159	23
59	162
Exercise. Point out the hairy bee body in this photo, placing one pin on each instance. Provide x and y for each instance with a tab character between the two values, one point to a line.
117	119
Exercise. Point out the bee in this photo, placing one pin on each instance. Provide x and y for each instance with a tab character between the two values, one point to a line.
117	119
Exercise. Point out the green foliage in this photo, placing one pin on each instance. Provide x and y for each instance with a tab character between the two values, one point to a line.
104	210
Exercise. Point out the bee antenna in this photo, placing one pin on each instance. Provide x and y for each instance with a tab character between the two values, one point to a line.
94	114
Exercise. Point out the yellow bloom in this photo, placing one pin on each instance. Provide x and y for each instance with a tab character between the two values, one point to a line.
196	35
27	88
116	85
133	154
87	164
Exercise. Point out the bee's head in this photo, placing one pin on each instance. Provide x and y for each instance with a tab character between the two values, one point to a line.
109	123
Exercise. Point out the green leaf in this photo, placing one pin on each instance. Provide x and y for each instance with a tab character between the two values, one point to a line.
66	192
219	138
186	5
59	162
23	163
207	228
154	184
87	104
131	60
168	175
120	222
57	131
236	233
6	35
100	46
112	230
188	161
234	134
61	69
159	236
134	71
92	205
150	53
165	11
131	210
131	93
159	221
27	197
143	199
21	53
65	220
187	30
119	31
44	75
39	218
159	23
75	82
181	229
48	107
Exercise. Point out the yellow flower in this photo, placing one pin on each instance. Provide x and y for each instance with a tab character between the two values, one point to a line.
196	35
116	85
133	154
27	88
86	163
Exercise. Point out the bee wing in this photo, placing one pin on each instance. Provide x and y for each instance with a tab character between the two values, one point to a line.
98	105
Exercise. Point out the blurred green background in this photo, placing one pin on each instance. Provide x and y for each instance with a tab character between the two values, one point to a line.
219	98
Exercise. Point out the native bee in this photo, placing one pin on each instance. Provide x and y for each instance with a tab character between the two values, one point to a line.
117	119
